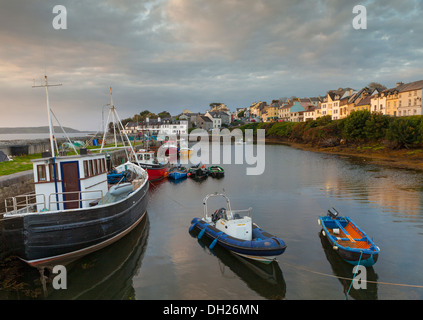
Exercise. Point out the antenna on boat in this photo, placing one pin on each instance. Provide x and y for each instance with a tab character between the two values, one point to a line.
46	85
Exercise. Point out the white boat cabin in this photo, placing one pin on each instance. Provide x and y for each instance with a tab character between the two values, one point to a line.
69	182
148	157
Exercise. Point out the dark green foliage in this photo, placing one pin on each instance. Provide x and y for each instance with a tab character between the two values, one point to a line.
355	123
359	126
406	132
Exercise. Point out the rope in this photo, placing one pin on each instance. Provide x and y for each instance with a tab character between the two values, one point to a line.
355	273
349	279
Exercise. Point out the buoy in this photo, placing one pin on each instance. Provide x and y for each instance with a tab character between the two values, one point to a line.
324	233
335	248
192	226
201	233
319	222
211	246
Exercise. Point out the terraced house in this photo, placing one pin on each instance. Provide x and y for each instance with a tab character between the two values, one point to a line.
410	99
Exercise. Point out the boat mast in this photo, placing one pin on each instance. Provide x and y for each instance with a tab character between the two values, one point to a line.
46	85
120	127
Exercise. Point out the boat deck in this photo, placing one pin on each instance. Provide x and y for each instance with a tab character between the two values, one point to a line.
352	238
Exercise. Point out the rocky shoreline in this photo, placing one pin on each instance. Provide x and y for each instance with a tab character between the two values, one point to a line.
402	158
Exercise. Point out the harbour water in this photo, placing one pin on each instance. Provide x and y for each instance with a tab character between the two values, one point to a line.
162	260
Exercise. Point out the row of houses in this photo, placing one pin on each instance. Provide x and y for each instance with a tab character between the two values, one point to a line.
403	100
217	117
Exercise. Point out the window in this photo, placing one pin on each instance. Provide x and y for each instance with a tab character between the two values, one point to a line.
41	172
86	171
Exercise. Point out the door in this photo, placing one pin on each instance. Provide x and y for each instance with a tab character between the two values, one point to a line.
70	183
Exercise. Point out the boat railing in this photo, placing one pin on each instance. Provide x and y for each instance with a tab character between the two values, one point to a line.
79	200
36	202
24	203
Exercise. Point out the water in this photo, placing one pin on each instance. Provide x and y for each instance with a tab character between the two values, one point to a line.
161	260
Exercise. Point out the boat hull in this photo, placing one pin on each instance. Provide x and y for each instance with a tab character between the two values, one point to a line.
47	239
216	172
176	175
264	250
361	250
155	172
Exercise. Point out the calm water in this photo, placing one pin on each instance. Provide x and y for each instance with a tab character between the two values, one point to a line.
161	260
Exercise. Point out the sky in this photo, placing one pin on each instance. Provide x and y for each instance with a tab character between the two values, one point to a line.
171	55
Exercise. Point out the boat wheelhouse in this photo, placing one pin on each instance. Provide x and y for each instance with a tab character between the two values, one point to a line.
69	182
156	168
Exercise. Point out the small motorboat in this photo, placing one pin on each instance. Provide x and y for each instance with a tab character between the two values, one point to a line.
351	243
198	172
177	173
235	231
216	171
156	167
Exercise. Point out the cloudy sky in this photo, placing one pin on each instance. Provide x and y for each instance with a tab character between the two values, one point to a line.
185	54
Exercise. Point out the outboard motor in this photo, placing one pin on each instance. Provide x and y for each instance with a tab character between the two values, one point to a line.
333	213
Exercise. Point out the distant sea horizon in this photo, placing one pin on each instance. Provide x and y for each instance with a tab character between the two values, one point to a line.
35	136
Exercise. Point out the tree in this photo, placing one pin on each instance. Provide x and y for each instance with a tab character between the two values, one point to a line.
164	114
376	85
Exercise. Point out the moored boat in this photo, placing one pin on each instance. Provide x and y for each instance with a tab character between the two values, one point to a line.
235	231
156	169
198	172
348	240
216	171
74	210
177	173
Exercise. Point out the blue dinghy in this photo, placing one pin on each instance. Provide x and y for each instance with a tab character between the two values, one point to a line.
351	243
235	231
177	173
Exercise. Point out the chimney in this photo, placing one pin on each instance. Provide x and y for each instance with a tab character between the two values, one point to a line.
399	84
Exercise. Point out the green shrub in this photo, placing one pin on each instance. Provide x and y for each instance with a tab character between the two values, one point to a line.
355	123
405	132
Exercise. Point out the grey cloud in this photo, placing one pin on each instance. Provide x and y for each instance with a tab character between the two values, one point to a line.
176	54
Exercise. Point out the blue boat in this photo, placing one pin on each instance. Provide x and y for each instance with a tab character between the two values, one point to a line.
348	240
235	231
178	173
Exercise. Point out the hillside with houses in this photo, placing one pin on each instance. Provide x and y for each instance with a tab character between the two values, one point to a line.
405	99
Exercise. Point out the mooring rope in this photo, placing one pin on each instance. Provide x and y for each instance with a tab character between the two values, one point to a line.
355	273
350	279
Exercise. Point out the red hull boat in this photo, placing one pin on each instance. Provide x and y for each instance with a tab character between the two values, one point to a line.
156	169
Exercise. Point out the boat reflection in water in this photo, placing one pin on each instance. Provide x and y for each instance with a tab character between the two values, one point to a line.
265	279
344	272
103	275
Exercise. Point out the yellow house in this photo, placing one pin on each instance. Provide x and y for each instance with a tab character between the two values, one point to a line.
363	104
272	113
392	101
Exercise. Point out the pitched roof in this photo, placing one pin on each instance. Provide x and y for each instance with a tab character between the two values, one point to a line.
364	101
411	86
